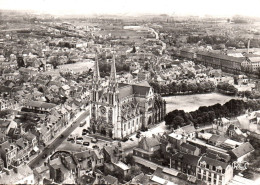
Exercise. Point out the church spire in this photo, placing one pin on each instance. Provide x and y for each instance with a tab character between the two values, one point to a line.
113	71
96	76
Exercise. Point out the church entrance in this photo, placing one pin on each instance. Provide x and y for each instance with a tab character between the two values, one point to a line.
149	120
103	131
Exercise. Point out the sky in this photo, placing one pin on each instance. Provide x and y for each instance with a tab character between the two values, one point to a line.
131	7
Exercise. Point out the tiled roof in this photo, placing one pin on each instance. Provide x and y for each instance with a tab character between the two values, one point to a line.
220	56
188	146
110	179
41	104
214	162
243	149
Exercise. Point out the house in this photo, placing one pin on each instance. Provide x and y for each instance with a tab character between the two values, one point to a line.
58	171
6	125
39	107
242	151
221	125
89	159
146	147
189	149
122	168
7	104
184	162
112	153
212	171
167	176
235	133
188	131
110	180
8	153
249	122
23	150
216	140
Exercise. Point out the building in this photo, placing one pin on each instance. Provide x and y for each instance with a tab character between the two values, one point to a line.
146	147
143	75
242	151
224	62
185	163
212	171
8	153
119	110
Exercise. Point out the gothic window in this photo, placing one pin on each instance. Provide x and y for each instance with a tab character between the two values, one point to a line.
110	115
133	123
93	111
102	110
137	121
124	127
129	125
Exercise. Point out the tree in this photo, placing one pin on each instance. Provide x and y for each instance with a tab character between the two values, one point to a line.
129	160
177	121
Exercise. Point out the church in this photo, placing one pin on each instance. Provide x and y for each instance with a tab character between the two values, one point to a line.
119	110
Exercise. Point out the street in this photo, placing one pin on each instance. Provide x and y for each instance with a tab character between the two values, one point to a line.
48	150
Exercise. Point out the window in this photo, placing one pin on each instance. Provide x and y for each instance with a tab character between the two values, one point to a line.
133	123
124	127
129	125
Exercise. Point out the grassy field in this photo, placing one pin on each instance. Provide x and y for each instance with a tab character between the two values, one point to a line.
76	67
192	102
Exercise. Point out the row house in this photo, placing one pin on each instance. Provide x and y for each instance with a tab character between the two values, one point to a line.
212	171
39	107
89	159
224	62
8	104
8	153
184	162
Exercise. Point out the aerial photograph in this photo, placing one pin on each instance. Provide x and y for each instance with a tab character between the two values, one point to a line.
130	92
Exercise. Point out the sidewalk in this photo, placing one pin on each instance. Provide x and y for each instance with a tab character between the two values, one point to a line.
64	128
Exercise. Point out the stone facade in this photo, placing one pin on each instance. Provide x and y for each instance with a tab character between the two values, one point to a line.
119	109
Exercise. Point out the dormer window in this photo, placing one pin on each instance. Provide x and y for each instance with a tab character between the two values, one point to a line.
203	164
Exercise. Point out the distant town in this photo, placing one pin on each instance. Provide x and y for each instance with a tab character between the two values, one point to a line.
154	99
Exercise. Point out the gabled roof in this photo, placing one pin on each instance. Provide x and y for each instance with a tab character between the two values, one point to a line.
110	179
40	104
213	162
243	149
187	158
151	141
188	146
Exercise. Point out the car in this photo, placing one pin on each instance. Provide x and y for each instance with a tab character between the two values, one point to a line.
125	139
70	139
86	143
79	142
95	146
61	136
82	124
131	139
144	129
94	140
79	138
138	135
44	156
